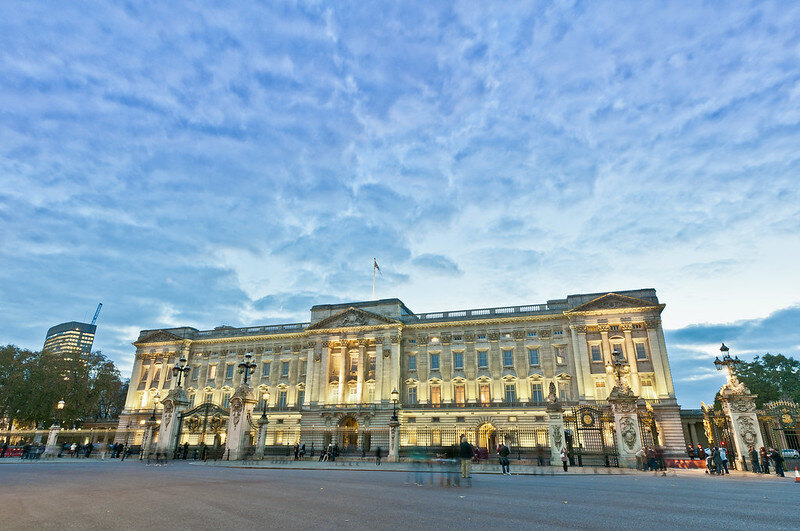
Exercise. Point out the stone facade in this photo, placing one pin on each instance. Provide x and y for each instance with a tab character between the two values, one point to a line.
456	370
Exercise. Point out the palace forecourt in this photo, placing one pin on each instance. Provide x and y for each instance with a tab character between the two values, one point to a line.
589	372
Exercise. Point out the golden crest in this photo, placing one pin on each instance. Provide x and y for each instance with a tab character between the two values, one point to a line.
588	419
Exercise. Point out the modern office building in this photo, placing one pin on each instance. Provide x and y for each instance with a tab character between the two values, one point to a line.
70	339
483	372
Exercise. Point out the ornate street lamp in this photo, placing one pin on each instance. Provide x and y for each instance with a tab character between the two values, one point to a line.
617	366
731	363
59	409
155	405
265	396
180	369
247	366
395	398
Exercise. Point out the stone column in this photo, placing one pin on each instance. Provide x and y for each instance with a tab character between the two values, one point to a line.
342	373
310	372
262	437
633	362
394	440
242	405
555	423
657	356
323	387
395	382
739	405
174	404
52	441
626	424
379	379
362	345
581	359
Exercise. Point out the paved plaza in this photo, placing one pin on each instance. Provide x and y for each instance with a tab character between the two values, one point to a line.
129	495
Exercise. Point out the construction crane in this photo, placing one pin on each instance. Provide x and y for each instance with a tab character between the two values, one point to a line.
94	319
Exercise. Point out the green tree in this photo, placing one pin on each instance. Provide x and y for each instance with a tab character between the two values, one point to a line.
771	377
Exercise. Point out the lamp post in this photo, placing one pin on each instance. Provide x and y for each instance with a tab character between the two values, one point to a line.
395	398
262	427
265	396
180	369
731	364
156	399
247	366
618	366
59	409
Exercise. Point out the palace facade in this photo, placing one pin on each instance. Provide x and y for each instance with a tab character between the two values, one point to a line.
484	372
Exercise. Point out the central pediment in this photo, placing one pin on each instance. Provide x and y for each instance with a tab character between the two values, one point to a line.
351	318
159	336
612	301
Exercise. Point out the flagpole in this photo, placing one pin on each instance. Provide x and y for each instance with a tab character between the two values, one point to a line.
373	279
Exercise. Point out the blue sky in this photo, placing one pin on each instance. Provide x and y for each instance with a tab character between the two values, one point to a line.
203	163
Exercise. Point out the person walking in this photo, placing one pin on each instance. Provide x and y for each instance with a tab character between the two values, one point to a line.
465	453
504	452
717	461
564	458
296	452
723	455
754	460
302	451
777	460
4	449
764	460
378	456
701	452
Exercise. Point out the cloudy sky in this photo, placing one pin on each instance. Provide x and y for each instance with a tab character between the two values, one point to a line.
203	163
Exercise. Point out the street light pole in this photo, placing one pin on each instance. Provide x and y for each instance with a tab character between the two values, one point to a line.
59	409
731	364
180	369
617	366
247	367
395	397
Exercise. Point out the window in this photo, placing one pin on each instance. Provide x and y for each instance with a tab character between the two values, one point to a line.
226	400
434	362
412	395
354	365
212	372
371	366
370	393
303	367
191	400
484	394
461	419
531	334
558	332
279	437
648	391
209	398
229	372
301	396
641	351
168	376
436	395
457	338
614	327
483	359
533	356
481	336
195	372
559	351
507	335
265	372
458	360
563	390
144	374
156	376
597	354
511	393
508	358
600	391
618	347
352	395
537	394
460	394
436	437
285	369
281	398
412	362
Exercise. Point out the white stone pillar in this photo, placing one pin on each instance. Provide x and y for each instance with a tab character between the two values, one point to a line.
633	362
394	441
342	373
174	404
52	441
261	440
740	408
360	373
379	379
626	424
242	405
555	424
658	357
310	373
324	383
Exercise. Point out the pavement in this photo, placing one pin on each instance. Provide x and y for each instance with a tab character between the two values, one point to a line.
90	494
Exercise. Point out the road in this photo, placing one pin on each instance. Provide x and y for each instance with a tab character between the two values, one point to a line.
113	495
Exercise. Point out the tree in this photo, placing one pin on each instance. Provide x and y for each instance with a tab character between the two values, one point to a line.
771	377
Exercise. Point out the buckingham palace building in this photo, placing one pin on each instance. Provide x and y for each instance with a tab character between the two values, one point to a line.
489	373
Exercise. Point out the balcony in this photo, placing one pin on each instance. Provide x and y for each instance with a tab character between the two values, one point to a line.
489	405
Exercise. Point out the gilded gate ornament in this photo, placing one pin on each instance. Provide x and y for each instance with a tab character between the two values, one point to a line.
628	432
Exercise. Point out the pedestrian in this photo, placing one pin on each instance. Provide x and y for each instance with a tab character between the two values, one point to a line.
296	452
690	451
723	455
764	460
302	451
26	450
709	460
89	448
717	461
465	452
124	451
540	455
651	458
777	460
641	460
185	450
4	449
754	460
378	456
72	449
504	452
564	458
701	453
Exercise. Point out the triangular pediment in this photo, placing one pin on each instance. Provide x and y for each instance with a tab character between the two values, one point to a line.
612	301
159	336
352	317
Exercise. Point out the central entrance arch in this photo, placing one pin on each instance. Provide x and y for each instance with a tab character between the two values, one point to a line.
487	436
349	432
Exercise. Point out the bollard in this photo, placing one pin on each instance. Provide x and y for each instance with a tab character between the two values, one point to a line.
796	476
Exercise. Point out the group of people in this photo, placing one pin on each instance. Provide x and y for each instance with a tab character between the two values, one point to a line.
760	460
330	453
299	451
651	458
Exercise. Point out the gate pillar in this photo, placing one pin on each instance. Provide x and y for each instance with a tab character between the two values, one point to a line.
174	405
52	441
394	441
626	424
739	405
261	440
242	405
555	427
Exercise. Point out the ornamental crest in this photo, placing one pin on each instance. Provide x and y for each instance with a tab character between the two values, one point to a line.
557	436
628	432
236	411
747	431
168	408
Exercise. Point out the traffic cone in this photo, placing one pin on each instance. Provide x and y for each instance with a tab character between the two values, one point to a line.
796	475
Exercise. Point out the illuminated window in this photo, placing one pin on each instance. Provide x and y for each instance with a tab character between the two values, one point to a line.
460	393
156	376
483	359
641	351
537	394
484	394
412	395
352	395
533	356
436	438
597	355
436	395
508	358
412	362
458	360
559	352
511	393
600	391
563	390
434	362
212	372
648	391
279	437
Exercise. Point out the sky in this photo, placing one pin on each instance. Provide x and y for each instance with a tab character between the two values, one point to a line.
208	163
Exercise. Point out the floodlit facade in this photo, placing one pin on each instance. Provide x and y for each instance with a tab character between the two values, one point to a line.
483	372
70	340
